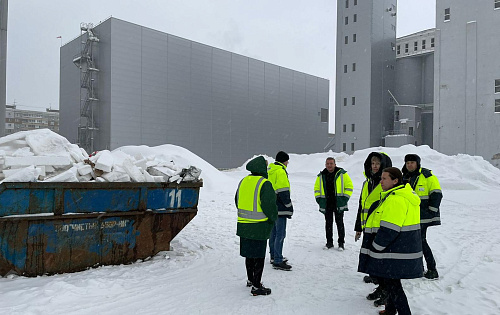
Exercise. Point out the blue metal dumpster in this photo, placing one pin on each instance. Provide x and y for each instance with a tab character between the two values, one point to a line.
48	228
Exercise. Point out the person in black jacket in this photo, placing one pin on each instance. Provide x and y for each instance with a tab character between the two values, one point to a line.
427	187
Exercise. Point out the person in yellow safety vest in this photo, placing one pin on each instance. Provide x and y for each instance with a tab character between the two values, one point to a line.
256	203
332	190
278	176
370	195
392	249
426	186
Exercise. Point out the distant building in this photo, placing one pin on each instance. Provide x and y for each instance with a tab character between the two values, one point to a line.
133	85
366	61
22	120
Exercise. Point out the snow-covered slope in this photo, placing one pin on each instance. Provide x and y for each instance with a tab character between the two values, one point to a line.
204	274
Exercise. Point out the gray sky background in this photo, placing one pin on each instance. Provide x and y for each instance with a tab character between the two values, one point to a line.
296	34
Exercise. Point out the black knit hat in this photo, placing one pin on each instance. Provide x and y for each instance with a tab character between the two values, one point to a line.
412	157
282	157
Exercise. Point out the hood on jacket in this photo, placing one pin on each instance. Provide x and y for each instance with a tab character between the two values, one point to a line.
411	157
257	166
404	191
273	167
385	161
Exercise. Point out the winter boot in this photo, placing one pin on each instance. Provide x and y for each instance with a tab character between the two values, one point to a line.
262	290
382	300
282	266
272	260
329	245
341	247
377	294
249	283
431	274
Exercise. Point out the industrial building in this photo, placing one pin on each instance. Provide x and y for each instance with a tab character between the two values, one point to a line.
467	78
444	90
125	84
366	60
414	90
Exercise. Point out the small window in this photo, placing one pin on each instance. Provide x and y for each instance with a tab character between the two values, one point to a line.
345	68
497	105
497	84
398	49
344	128
356	2
344	146
353	100
345	101
496	4
324	115
410	131
353	38
391	100
346	4
415	46
432	42
396	115
353	127
346	20
406	48
353	66
352	146
423	43
393	27
346	40
355	18
447	15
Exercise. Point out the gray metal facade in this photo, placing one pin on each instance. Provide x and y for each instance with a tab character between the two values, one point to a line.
366	59
3	61
156	88
467	65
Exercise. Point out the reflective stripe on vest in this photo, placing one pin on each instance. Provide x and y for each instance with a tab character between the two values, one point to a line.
251	215
391	255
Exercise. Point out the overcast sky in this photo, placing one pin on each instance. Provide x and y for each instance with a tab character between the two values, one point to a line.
296	34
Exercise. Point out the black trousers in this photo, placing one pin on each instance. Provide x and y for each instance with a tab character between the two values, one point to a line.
429	258
396	300
339	220
255	267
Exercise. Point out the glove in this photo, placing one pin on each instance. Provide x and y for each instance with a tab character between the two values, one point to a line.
357	236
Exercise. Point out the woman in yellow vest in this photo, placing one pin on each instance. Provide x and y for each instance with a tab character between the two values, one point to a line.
392	248
370	194
256	203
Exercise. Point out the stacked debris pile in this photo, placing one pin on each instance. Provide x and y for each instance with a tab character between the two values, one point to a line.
42	155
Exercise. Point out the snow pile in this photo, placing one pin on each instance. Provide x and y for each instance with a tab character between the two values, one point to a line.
42	155
206	251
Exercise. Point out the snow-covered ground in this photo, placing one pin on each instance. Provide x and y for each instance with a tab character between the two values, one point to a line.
204	274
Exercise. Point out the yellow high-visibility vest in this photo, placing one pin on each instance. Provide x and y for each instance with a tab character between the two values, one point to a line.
248	200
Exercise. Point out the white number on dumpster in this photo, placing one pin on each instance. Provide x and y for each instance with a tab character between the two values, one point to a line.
173	196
